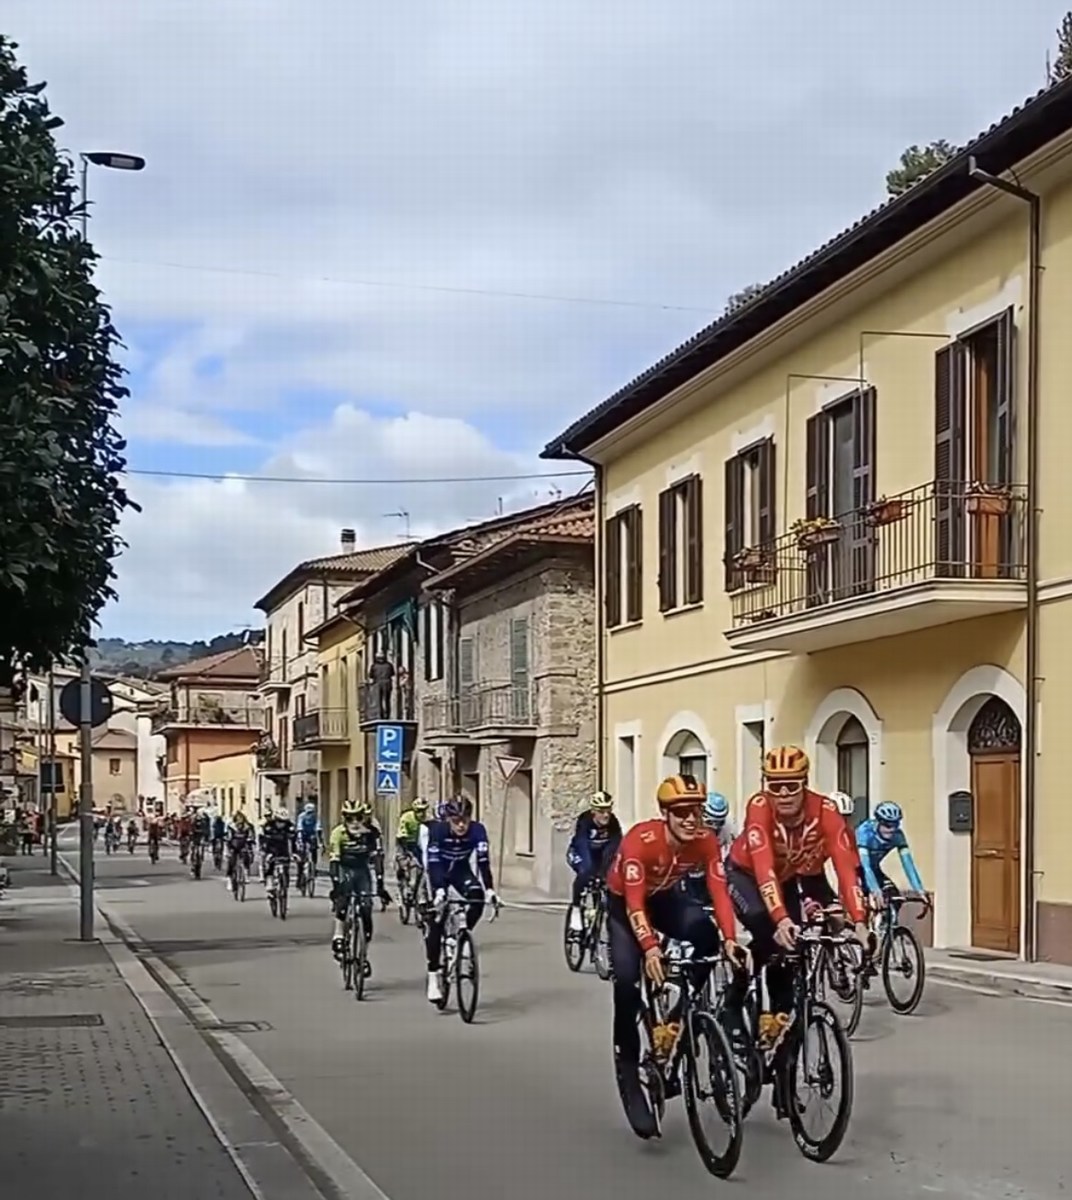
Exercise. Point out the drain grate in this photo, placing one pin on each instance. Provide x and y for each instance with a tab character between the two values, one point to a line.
56	1021
240	1027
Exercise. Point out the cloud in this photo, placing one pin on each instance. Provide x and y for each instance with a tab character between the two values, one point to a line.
346	205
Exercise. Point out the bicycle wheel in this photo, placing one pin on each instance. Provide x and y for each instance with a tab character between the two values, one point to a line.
197	866
347	960
902	959
840	977
712	1086
467	976
359	955
574	939
600	941
818	1054
405	902
284	898
448	953
310	880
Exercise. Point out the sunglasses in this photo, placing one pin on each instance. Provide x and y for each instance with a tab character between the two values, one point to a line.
786	787
686	812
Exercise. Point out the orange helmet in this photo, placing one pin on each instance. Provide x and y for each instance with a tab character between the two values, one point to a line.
680	790
785	762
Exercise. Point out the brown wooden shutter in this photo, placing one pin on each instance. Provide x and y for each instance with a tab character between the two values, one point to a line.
694	540
1006	391
734	517
817	504
861	534
667	550
634	565
612	573
949	459
768	485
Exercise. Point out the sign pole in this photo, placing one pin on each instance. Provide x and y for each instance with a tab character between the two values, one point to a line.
53	815
85	808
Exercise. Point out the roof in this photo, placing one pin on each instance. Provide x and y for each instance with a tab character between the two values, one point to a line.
337	567
335	620
1036	122
572	525
114	739
244	662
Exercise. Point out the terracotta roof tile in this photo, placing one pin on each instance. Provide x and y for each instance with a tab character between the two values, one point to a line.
241	663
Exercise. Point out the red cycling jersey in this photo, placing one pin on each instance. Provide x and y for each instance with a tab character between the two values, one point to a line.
774	853
647	862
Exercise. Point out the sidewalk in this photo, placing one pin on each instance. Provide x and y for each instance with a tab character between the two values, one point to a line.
89	1097
1010	976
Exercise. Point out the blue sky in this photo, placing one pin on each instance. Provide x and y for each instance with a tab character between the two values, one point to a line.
356	247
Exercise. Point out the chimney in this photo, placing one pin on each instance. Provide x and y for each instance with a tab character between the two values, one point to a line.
348	541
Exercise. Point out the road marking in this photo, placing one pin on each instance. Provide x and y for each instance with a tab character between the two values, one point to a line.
323	1152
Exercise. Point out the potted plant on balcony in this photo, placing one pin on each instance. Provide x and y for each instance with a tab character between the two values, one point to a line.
812	533
886	510
754	563
989	499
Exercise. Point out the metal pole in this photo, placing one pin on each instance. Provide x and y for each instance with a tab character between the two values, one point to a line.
52	813
86	809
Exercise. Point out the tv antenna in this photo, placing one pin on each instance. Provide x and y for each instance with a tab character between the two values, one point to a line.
403	516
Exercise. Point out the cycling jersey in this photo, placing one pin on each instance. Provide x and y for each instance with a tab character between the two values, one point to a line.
873	849
409	828
591	844
774	853
647	862
357	847
447	851
308	826
277	837
201	829
240	834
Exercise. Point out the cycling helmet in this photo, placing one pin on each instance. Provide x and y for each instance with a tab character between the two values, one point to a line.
889	814
845	804
310	807
679	791
458	808
356	810
419	805
601	802
716	809
787	763
282	813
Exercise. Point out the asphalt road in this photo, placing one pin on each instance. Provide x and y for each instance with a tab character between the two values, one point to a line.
969	1098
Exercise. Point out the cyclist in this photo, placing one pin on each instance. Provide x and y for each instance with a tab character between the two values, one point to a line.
777	865
154	833
645	901
277	845
132	834
453	840
219	836
310	838
184	827
874	840
355	846
595	841
716	815
240	839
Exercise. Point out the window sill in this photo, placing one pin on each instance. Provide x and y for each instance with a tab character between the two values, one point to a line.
682	609
625	625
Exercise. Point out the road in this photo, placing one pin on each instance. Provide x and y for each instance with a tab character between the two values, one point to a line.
966	1099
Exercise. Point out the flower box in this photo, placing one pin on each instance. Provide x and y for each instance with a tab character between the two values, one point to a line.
886	511
989	503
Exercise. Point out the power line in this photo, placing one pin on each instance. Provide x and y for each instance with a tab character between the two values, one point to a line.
219	476
411	287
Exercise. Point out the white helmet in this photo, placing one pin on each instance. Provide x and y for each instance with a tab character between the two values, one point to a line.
845	803
282	813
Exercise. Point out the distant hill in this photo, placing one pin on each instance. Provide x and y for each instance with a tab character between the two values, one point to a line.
143	659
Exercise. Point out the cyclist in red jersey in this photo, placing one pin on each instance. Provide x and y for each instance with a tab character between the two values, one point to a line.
643	901
776	866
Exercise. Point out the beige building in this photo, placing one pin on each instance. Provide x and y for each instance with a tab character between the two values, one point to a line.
333	727
229	783
115	769
839	516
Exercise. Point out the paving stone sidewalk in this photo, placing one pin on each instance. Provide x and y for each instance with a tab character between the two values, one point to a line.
90	1100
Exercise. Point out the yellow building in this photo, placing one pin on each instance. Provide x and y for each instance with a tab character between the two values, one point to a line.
333	727
840	516
229	782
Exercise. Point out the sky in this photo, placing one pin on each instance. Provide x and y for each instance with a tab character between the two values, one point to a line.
412	241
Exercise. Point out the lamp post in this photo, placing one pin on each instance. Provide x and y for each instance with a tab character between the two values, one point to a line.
104	158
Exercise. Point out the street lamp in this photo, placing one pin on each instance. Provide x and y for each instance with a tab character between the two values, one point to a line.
102	158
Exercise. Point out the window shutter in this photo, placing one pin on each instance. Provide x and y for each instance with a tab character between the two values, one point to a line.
466	663
733	540
767	493
667	549
634	564
694	540
949	459
519	669
817	504
612	573
1006	390
861	534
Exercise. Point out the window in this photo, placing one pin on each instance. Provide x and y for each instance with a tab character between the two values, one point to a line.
301	624
750	483
342	779
626	797
853	769
283	651
241	795
753	747
344	685
432	636
623	584
114	766
520	698
467	680
681	544
687	756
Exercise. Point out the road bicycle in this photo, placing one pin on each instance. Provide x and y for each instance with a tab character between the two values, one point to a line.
461	966
277	885
154	850
354	961
678	1032
306	881
197	859
239	874
217	854
900	956
410	876
592	940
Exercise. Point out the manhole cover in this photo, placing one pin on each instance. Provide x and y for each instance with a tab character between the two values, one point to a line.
58	1021
240	1027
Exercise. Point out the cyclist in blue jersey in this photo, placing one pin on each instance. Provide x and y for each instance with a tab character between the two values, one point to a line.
453	842
594	843
309	839
716	815
875	839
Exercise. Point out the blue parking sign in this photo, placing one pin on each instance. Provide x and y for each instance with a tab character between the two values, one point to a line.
389	746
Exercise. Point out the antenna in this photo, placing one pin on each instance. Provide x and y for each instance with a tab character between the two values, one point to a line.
403	516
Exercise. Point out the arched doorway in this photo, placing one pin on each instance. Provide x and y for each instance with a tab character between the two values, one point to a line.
688	755
854	767
994	738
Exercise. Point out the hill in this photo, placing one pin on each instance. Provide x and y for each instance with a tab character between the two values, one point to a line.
144	659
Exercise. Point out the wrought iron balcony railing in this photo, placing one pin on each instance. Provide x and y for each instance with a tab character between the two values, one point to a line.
385	702
493	706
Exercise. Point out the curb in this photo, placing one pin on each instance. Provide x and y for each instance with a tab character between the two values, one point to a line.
1026	986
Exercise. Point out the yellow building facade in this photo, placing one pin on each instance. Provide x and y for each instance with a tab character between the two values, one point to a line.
230	783
337	735
816	527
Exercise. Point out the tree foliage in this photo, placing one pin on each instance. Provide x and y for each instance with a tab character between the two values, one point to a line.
60	384
917	162
1061	67
741	298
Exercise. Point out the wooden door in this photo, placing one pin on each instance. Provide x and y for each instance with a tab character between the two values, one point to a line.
996	851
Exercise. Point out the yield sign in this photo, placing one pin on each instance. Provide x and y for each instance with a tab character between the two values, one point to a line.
509	766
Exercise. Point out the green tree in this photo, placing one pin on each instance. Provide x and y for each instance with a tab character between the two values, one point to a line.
917	162
60	499
743	297
1061	67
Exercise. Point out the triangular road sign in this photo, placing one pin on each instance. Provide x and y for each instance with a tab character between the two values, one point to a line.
509	766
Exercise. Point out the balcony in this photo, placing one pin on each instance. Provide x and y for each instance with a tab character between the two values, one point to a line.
386	703
321	727
190	716
274	675
270	757
441	721
489	713
939	553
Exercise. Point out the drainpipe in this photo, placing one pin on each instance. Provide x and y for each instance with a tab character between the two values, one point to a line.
597	548
1034	258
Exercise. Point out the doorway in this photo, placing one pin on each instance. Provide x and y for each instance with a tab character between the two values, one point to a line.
994	744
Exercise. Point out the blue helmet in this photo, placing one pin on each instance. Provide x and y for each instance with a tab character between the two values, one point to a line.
889	814
716	809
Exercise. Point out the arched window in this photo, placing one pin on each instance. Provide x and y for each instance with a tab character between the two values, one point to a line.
995	729
853	775
690	754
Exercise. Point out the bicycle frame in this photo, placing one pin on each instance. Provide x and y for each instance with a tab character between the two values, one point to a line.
694	997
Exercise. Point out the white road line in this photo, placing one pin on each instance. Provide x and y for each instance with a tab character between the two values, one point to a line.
331	1159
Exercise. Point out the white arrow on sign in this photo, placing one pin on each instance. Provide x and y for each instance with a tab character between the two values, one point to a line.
509	766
